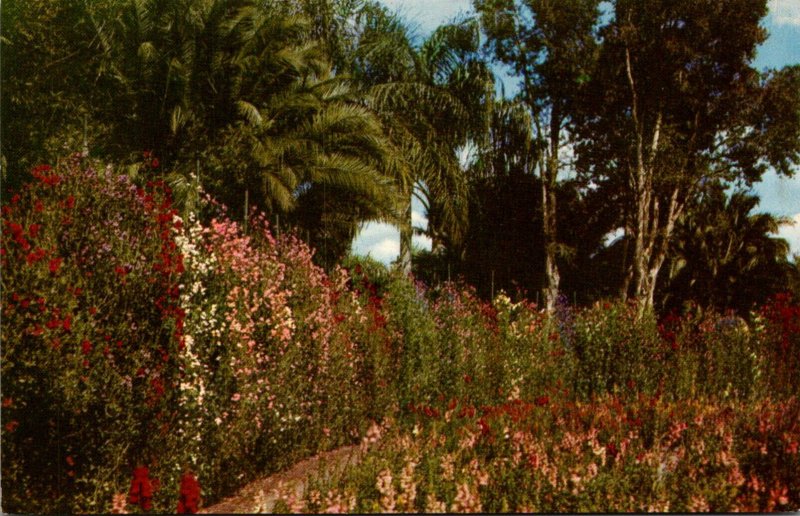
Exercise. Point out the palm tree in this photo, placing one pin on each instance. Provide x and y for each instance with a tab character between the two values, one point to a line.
430	99
724	255
242	87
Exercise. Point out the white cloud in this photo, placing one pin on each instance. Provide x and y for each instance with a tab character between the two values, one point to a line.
418	219
422	241
779	195
382	241
613	235
785	12
792	234
386	250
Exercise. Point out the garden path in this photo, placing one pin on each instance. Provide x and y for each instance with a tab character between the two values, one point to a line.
246	499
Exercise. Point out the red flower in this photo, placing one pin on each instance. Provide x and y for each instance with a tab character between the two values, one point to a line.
120	271
35	256
54	265
16	229
67	323
8	402
86	347
33	230
38	206
154	163
11	426
70	460
71	201
467	412
141	491
485	430
56	343
50	180
189	497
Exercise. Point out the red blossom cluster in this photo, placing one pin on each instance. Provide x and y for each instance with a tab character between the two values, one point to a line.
668	329
150	160
189	495
784	313
17	232
375	302
40	173
170	261
141	491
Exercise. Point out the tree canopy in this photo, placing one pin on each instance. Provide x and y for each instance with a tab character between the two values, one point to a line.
633	123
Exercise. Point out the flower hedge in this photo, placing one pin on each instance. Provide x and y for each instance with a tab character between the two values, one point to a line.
155	361
135	339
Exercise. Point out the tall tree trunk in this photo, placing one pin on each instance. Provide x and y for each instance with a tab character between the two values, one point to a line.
549	221
627	265
406	232
550	228
661	237
646	225
551	267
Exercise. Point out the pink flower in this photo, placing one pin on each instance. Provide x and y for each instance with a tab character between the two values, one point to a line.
236	397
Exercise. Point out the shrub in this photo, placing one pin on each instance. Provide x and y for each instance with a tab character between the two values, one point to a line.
146	341
92	336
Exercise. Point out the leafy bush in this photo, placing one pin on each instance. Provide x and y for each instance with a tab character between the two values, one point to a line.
92	337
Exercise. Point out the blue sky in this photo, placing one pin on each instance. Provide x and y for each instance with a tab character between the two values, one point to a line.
780	196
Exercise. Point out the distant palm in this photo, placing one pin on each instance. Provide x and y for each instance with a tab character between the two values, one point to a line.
430	100
724	255
240	86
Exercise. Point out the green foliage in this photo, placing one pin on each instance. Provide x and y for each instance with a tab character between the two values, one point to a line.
724	255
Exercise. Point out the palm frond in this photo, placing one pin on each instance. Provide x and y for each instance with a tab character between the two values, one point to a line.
250	113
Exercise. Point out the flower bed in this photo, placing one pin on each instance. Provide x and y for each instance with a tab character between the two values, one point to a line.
136	341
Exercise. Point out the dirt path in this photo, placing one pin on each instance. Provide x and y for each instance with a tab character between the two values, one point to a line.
295	477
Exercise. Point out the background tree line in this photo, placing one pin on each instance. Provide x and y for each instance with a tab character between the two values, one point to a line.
644	117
